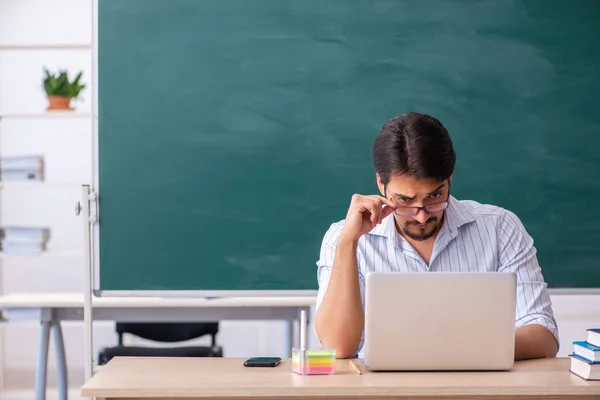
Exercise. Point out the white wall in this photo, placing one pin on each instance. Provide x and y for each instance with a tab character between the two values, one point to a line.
65	142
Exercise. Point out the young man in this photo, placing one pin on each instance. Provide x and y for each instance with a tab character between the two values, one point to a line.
416	225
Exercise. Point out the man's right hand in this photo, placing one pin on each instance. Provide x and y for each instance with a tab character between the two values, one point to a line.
340	319
364	213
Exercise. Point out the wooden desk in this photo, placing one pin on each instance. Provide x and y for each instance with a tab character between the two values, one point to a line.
226	378
53	308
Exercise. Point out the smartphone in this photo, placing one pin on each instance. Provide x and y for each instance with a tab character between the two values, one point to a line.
262	362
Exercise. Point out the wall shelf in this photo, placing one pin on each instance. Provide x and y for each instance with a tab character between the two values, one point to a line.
47	114
66	46
48	253
38	184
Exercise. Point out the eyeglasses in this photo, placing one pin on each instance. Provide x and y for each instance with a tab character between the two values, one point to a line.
429	208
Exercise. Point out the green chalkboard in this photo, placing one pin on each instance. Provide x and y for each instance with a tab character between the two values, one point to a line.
232	133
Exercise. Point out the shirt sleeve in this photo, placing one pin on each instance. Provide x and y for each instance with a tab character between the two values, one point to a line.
517	254
325	265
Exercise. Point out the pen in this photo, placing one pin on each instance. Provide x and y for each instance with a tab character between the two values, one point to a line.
303	330
355	367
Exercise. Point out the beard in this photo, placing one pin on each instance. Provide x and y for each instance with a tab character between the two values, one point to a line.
421	234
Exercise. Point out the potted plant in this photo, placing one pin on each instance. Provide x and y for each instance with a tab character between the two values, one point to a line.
60	91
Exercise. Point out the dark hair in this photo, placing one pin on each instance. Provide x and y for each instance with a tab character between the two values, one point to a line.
413	144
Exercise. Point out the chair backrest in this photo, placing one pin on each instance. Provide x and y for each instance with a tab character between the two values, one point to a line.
168	332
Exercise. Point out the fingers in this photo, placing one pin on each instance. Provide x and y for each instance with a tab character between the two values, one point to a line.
375	210
378	207
386	211
387	201
381	213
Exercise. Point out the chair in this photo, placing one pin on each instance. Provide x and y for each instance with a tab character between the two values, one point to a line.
164	332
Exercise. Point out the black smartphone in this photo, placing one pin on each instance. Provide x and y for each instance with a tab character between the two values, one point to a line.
262	362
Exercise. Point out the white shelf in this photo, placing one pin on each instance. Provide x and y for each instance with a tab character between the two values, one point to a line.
65	46
49	253
37	184
48	114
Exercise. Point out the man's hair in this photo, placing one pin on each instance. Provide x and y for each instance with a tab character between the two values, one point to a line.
413	144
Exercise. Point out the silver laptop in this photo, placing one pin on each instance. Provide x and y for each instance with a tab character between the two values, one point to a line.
440	321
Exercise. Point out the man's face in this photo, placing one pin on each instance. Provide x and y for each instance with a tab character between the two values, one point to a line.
407	193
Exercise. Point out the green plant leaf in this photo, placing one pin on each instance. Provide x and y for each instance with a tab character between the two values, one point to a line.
58	84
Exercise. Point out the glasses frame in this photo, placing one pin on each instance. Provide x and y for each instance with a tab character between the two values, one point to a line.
416	209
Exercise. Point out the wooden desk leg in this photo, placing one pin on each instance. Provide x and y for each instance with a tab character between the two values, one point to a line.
42	361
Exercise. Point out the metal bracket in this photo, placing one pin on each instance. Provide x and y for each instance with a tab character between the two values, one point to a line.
93	199
93	203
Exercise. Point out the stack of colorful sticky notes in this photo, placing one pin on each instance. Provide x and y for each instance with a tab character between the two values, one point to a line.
316	362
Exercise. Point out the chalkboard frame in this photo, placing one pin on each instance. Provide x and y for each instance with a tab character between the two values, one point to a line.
94	244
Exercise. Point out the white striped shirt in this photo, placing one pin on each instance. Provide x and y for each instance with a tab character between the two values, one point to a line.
473	237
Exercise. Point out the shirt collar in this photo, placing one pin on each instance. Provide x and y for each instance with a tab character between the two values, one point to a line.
456	215
387	228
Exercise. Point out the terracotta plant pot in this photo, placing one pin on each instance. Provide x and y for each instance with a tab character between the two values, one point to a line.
59	103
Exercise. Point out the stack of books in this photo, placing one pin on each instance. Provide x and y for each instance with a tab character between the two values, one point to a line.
25	168
585	359
24	240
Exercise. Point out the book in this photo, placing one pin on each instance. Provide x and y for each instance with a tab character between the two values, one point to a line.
24	240
22	168
24	234
22	162
23	248
594	336
21	175
585	369
586	350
